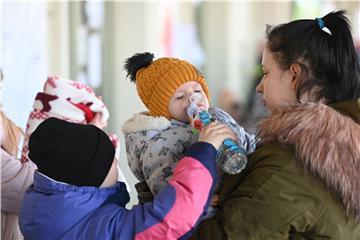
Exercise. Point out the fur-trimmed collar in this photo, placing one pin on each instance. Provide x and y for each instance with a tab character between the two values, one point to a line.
144	122
326	142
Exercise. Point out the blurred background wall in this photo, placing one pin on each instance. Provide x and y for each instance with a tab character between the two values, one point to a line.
88	41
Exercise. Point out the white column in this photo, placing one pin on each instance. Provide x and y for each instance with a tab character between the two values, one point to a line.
58	39
129	28
231	33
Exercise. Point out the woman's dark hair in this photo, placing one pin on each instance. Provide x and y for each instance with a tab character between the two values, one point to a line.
330	67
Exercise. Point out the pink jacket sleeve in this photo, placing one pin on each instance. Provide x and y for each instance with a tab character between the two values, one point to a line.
16	177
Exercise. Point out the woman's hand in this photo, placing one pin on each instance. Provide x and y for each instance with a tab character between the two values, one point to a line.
215	133
97	121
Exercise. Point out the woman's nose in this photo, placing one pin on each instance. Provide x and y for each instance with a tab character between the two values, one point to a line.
260	87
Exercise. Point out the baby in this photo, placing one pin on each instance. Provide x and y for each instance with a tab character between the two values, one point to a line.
157	139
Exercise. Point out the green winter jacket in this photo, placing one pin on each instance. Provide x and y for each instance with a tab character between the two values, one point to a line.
302	182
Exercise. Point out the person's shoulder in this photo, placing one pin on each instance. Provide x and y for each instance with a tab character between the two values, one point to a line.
142	122
274	152
275	164
270	160
274	158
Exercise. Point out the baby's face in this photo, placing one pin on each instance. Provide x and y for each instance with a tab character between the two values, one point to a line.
181	99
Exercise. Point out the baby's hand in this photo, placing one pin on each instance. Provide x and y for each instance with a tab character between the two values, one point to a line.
215	133
215	200
96	121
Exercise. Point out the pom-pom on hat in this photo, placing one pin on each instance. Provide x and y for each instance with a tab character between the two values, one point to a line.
156	81
72	153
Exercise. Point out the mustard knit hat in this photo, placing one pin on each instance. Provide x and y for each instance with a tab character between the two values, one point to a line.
156	81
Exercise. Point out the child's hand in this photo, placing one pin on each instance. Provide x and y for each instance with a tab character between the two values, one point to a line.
97	121
115	141
215	200
215	133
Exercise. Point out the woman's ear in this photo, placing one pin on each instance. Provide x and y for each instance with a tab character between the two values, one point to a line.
295	71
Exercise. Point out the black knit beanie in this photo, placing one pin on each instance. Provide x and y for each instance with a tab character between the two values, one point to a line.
72	153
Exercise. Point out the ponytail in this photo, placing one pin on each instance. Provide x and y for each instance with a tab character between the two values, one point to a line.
346	60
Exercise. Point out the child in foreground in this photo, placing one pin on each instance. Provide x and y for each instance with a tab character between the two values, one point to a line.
76	195
67	100
71	101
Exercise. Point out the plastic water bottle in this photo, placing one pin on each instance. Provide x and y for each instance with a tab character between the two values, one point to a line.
235	158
